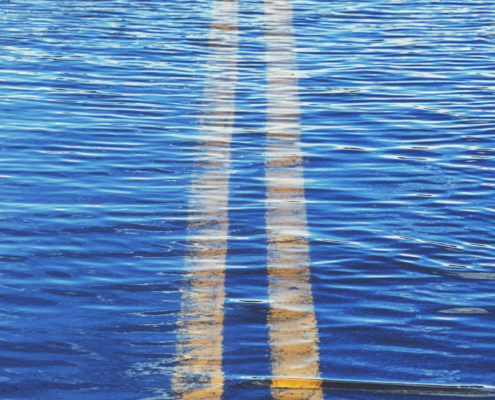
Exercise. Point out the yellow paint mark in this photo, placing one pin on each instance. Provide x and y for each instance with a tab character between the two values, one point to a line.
296	383
198	374
291	161
291	320
225	27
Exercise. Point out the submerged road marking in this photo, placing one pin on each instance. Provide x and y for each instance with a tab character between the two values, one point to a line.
291	320
199	374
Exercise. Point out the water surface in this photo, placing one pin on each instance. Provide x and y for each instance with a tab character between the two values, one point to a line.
350	142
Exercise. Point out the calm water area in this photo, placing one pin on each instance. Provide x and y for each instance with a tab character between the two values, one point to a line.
247	199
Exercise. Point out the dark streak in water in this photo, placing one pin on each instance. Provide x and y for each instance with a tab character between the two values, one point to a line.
466	391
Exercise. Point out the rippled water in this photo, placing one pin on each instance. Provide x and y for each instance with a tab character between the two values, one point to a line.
166	167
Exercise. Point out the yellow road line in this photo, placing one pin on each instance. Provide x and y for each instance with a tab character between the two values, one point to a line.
297	383
198	374
291	320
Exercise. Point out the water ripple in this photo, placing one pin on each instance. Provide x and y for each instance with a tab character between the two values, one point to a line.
107	112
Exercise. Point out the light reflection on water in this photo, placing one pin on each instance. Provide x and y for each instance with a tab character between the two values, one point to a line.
105	116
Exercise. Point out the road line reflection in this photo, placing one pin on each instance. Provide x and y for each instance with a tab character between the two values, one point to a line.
198	374
291	320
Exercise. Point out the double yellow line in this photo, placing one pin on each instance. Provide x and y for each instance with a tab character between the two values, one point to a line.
292	324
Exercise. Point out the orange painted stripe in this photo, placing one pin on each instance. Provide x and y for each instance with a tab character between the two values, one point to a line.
198	374
291	320
296	383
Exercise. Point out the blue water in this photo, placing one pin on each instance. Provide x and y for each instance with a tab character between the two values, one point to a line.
102	103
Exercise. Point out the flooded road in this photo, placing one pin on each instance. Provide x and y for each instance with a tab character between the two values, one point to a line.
227	199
